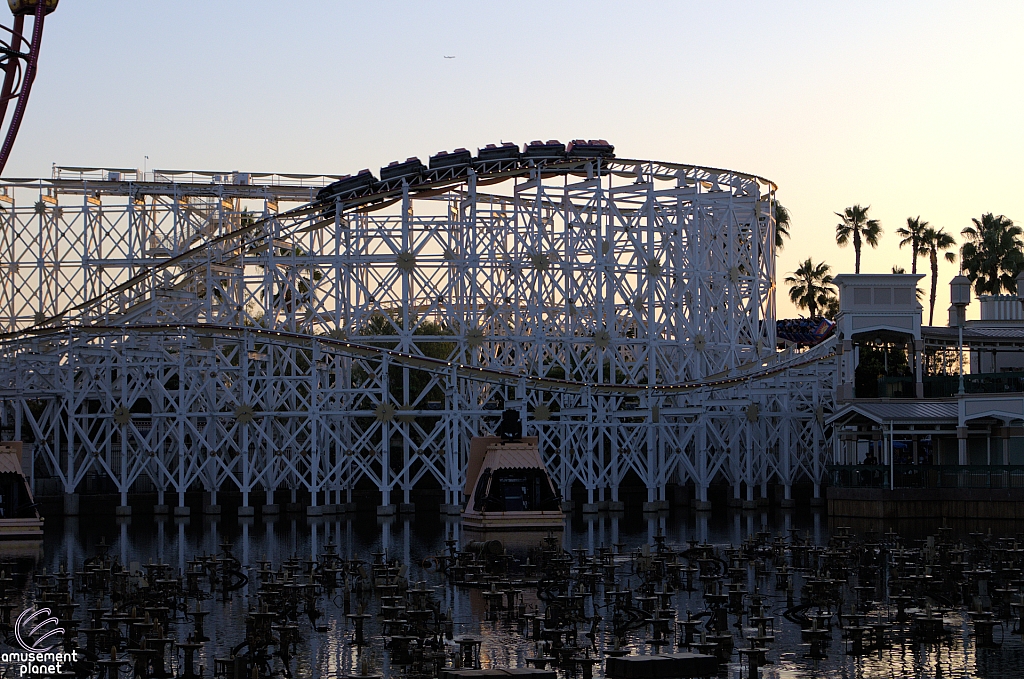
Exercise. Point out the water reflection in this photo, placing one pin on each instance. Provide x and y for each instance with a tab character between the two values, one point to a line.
138	541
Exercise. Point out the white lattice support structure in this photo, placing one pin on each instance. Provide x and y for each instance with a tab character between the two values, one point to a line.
188	333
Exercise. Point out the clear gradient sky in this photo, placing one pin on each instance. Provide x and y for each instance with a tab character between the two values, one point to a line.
915	108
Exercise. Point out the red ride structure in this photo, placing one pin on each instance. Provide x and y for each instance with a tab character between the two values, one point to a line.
20	65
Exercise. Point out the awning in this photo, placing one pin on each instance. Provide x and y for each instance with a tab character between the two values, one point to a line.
911	412
942	335
513	456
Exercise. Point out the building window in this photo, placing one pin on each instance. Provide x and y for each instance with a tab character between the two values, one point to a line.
1016	449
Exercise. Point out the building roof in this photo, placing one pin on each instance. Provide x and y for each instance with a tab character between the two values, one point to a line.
10	463
973	334
513	456
909	412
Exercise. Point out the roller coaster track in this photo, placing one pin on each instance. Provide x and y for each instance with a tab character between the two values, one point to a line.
328	345
620	382
228	246
311	216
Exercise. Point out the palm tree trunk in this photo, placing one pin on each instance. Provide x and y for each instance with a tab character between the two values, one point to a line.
913	252
856	250
934	257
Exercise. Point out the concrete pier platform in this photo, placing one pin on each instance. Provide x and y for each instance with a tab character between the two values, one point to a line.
668	665
927	503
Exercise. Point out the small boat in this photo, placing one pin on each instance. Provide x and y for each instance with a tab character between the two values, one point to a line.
510	491
19	516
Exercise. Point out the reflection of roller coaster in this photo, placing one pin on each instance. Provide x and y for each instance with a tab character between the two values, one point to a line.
182	330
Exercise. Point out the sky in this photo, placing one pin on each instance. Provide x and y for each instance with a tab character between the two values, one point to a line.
913	108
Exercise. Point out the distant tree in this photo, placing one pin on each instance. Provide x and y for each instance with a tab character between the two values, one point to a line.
911	235
992	257
858	228
441	345
811	286
781	225
831	306
932	241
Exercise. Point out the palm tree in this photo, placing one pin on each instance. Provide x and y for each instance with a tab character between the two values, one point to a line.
831	306
857	227
992	254
811	286
932	241
911	234
781	224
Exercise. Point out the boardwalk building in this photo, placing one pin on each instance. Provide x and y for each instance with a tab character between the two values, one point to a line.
929	420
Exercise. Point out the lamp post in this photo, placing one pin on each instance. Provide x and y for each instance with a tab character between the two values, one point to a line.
960	297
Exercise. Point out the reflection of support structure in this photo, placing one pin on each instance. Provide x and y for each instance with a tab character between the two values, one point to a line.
181	331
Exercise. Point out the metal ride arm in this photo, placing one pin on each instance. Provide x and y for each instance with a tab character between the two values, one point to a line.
11	69
14	55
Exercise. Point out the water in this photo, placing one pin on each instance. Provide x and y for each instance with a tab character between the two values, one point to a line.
140	540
